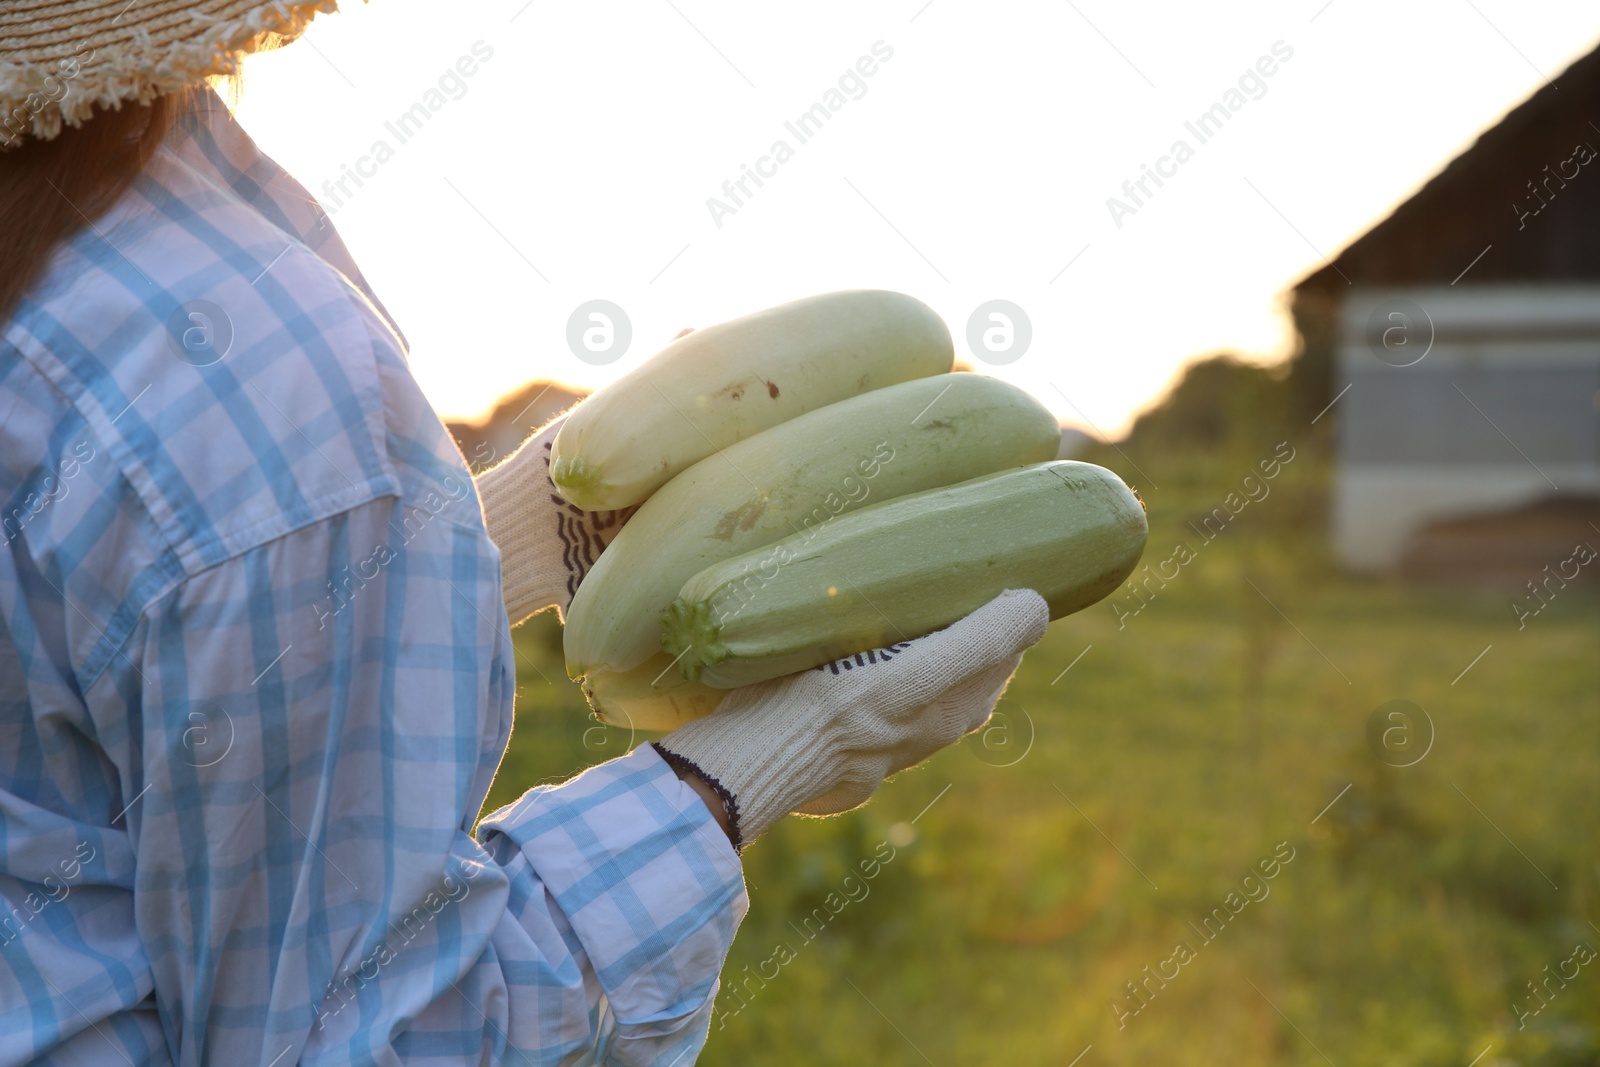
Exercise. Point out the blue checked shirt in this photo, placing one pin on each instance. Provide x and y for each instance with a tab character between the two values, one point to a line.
256	677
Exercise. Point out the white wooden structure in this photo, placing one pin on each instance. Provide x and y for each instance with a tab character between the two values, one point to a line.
1460	401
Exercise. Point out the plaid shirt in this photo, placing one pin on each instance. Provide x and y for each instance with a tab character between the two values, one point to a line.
256	677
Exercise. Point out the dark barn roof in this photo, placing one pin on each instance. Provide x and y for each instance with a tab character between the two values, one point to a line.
1473	203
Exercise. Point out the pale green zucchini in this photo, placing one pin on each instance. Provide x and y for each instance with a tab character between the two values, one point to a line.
651	696
901	439
903	568
727	382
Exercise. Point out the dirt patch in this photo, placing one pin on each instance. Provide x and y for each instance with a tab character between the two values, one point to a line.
739	520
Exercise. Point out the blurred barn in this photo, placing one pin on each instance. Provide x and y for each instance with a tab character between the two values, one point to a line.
1460	338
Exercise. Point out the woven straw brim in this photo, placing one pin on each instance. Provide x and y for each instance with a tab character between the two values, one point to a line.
59	59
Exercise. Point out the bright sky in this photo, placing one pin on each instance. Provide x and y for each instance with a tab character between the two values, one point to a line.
974	163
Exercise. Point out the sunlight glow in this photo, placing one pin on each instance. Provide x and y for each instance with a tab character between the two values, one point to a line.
494	166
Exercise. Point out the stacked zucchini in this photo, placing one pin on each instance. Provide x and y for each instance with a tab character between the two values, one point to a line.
815	483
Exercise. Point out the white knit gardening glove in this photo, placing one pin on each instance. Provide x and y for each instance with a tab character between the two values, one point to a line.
546	544
821	741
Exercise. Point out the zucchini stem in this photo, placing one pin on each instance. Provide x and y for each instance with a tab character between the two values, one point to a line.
690	634
573	478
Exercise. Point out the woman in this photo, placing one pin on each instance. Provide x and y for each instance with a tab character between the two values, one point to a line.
257	674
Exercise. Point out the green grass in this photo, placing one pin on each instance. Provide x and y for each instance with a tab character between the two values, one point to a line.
1191	741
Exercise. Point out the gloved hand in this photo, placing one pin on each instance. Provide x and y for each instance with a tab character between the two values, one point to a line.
821	741
546	544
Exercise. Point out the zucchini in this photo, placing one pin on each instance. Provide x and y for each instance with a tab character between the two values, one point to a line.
901	439
651	696
727	382
903	568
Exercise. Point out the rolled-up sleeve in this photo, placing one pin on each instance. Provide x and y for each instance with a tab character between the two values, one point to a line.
628	864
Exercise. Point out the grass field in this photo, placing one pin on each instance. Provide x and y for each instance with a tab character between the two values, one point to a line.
1109	809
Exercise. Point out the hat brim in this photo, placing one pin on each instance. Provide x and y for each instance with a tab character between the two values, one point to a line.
57	71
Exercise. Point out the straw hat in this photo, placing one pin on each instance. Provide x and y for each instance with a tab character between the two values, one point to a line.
61	58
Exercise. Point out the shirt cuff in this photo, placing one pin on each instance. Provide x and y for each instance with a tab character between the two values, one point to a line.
647	879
